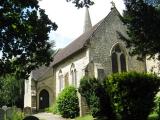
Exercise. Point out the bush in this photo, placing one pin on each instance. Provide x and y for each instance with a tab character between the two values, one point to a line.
133	94
67	103
52	109
153	117
18	115
97	98
157	105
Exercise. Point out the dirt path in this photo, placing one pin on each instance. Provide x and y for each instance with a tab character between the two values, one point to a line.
49	116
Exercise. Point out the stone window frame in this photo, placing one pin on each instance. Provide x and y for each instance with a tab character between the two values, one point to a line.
61	82
122	51
73	74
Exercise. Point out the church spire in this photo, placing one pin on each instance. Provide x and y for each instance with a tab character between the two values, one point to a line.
87	22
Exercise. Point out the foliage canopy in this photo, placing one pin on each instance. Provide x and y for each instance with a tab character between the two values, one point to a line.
11	91
142	21
81	3
24	29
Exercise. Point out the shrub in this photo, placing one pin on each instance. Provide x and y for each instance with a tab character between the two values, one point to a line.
67	102
97	98
153	117
18	115
52	109
157	105
133	94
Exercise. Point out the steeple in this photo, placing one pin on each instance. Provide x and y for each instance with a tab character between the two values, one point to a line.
87	21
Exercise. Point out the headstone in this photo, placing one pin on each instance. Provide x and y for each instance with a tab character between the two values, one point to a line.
27	111
4	107
9	113
2	114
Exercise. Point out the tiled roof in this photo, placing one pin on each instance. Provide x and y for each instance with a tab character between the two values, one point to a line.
37	73
75	46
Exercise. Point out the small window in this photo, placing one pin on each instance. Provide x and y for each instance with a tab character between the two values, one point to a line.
60	80
74	75
114	63
123	63
66	79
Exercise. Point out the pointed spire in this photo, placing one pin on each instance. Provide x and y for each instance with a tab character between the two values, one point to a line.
87	22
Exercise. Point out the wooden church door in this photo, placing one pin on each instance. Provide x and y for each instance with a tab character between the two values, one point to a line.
43	99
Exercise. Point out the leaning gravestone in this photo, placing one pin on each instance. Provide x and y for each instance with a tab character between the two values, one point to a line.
2	114
9	113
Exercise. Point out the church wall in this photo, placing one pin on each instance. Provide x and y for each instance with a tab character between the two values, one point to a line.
47	83
27	92
80	60
104	39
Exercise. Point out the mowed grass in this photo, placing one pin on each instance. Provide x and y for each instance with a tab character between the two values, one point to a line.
87	117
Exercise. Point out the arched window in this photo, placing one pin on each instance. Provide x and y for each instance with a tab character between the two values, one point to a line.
118	60
114	63
73	75
123	62
60	76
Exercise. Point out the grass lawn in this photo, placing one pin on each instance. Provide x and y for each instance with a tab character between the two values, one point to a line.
87	117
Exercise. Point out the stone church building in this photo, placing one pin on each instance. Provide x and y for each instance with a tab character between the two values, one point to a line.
98	52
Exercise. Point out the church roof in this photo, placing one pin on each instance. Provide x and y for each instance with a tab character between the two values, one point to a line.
37	73
74	46
78	43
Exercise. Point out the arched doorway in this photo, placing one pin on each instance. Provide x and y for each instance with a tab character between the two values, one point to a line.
43	99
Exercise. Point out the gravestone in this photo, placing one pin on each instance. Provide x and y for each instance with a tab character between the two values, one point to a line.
27	111
2	114
4	107
9	113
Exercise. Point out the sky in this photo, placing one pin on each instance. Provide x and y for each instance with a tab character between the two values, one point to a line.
70	20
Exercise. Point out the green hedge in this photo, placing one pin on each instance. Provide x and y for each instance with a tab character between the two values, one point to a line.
97	99
67	103
132	94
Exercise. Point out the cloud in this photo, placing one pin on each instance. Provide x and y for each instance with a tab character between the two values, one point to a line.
61	40
70	20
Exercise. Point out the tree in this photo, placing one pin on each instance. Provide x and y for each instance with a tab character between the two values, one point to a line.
24	29
81	3
153	2
11	91
142	21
